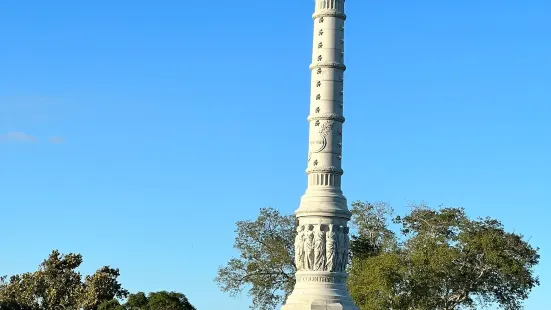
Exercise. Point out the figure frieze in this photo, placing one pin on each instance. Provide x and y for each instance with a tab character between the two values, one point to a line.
322	247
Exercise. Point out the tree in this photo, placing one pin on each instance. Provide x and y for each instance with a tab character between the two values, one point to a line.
20	292
54	285
137	301
57	285
168	301
376	266
158	301
12	305
376	282
445	261
437	259
112	304
265	263
371	222
101	286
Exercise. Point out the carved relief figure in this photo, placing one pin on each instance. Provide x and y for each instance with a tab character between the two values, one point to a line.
340	250
309	248
299	248
319	248
346	248
330	248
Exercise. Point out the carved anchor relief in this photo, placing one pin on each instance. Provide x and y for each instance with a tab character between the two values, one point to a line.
324	132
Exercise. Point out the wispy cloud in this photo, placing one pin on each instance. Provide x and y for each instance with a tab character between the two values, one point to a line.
17	136
34	109
56	139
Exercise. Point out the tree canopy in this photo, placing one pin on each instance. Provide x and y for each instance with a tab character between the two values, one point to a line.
432	259
266	262
57	285
162	300
446	261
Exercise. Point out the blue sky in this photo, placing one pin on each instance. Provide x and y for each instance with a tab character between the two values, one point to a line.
138	132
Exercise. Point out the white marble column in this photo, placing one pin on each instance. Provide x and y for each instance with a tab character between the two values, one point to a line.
322	240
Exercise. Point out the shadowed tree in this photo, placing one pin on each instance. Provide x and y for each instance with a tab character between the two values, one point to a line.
12	305
112	304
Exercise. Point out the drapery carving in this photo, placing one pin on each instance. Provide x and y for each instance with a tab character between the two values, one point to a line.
331	248
309	248
299	248
321	247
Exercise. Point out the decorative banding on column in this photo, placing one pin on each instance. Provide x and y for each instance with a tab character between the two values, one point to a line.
327	116
321	277
332	64
329	13
324	179
332	169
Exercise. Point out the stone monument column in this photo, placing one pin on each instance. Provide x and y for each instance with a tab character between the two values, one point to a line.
321	245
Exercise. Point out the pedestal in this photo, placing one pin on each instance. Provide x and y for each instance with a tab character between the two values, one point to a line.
320	291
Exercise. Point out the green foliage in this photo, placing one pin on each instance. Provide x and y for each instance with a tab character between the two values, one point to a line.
12	305
439	259
266	263
168	301
101	286
376	270
158	301
446	261
371	221
57	285
112	304
57	282
136	301
20	291
376	282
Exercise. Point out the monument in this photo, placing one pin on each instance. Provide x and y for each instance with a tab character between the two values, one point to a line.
322	241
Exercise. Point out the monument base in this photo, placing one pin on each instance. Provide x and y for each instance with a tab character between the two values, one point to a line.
318	290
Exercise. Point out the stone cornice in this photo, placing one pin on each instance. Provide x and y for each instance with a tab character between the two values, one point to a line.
332	64
329	13
326	116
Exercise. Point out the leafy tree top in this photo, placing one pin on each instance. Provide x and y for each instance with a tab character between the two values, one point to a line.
437	259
